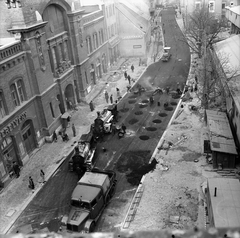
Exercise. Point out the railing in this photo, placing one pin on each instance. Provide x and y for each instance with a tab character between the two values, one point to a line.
9	51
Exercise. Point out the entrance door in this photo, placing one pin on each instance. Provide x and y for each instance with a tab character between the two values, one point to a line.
28	137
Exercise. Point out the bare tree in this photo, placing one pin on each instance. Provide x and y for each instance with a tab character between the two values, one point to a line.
202	29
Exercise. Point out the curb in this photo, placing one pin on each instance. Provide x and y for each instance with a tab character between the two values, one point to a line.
26	203
161	140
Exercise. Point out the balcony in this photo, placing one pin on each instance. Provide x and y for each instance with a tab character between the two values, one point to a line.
10	50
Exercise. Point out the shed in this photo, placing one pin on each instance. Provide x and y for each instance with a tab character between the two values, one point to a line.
221	140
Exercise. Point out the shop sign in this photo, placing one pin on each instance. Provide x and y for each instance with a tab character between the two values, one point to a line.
7	129
137	46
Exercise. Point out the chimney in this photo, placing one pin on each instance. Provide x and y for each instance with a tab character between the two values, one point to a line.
215	192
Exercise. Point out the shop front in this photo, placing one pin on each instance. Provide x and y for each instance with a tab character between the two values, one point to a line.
17	141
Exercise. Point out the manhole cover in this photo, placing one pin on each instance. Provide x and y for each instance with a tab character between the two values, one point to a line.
143	137
145	101
151	128
133	121
131	101
124	110
143	105
176	96
173	103
157	121
162	114
168	108
138	113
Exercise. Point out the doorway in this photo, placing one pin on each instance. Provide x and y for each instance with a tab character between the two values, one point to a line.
28	137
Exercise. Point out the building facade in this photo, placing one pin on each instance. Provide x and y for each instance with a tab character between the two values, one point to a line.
51	55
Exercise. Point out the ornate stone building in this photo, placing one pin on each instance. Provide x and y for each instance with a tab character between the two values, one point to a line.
51	55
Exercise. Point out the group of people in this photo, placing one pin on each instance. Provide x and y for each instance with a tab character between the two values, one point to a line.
31	184
127	76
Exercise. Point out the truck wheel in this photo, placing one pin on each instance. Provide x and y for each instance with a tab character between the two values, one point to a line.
92	227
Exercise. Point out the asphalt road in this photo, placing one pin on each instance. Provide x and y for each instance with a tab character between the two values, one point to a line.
128	156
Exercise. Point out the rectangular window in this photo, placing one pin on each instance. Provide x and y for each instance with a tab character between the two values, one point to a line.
99	37
54	58
197	5
2	108
223	5
211	6
14	95
113	9
51	108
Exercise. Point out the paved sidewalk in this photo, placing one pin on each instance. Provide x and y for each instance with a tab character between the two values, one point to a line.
16	196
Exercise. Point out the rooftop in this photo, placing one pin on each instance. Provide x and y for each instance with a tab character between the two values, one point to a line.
226	203
221	138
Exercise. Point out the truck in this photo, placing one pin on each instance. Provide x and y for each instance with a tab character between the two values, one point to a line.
82	160
166	54
89	198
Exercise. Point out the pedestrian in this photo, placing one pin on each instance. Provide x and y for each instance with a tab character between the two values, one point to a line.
125	74
42	175
16	169
73	130
132	68
167	89
118	93
129	79
31	183
91	106
124	128
140	61
54	136
106	96
111	99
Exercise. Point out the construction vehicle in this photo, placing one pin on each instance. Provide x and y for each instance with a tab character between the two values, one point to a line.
166	54
82	160
89	198
103	123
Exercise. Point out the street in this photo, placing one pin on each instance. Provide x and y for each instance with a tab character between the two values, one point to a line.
128	156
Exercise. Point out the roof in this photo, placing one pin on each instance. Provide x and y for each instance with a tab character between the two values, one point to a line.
230	49
221	138
137	20
226	204
235	9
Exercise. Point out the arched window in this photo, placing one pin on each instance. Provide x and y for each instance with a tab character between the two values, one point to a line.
17	92
3	111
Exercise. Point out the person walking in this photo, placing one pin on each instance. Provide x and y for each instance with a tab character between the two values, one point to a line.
16	169
111	99
54	136
42	175
73	130
129	79
106	96
91	106
125	74
118	93
132	68
31	183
